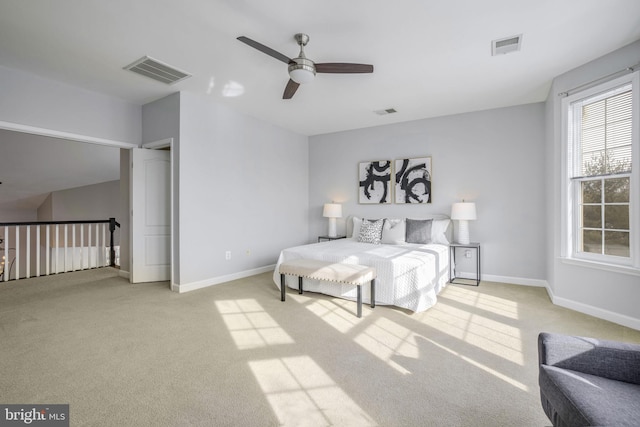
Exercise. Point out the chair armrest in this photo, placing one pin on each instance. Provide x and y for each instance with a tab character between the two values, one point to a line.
608	359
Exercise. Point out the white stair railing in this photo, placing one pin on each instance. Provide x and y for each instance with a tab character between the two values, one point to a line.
33	249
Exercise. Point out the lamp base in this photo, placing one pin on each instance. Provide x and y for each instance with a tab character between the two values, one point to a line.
463	232
332	228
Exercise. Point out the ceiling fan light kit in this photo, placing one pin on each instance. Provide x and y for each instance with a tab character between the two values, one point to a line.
303	70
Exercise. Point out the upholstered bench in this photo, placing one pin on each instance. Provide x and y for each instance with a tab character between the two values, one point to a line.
351	274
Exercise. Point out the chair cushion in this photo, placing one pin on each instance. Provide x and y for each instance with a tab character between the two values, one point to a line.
572	398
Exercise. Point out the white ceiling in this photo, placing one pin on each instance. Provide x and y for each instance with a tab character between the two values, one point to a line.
430	58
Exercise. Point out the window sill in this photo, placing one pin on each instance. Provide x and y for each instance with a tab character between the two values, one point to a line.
622	269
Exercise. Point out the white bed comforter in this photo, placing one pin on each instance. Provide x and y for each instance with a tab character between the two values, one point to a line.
409	275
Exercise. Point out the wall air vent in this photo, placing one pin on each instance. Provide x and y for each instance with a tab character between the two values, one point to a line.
506	45
157	70
385	111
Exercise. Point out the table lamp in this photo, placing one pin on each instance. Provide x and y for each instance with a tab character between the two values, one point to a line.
463	212
332	211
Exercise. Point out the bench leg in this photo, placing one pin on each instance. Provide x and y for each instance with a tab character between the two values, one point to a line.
359	301
300	284
282	286
373	293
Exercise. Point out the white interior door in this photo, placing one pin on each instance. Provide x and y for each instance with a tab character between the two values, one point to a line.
150	215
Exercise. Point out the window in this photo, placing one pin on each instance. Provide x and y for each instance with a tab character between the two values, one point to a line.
602	173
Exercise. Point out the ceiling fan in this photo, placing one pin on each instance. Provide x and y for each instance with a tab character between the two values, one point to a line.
303	70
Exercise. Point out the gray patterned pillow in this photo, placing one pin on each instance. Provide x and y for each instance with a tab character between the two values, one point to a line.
371	231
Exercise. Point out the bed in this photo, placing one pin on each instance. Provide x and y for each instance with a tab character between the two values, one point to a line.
410	275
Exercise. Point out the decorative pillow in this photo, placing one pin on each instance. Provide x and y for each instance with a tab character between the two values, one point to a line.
393	231
371	231
439	231
418	231
357	223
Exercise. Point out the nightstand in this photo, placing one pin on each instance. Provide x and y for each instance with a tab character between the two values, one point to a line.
452	269
327	238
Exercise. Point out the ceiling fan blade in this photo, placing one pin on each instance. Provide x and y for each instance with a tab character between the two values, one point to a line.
265	49
290	89
343	67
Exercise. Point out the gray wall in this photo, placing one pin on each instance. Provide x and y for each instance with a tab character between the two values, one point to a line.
600	292
18	215
242	187
45	210
90	202
494	158
31	100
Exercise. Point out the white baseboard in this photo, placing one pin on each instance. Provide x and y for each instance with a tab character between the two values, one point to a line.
124	274
506	279
186	287
600	313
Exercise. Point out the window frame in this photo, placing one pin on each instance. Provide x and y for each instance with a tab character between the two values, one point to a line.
570	194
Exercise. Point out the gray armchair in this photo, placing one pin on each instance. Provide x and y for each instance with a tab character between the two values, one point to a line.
589	382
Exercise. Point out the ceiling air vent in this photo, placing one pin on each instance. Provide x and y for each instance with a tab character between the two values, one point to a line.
385	111
506	45
157	70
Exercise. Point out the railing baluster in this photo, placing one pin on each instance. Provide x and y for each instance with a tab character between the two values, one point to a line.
81	246
97	252
104	244
17	256
37	251
89	246
5	257
73	247
55	265
66	246
47	251
28	252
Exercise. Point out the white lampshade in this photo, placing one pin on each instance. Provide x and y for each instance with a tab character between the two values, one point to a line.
463	212
332	210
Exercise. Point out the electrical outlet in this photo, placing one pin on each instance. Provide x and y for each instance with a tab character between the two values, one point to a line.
467	254
227	255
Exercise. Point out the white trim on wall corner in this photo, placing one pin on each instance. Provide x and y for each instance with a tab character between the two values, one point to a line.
186	287
600	313
124	274
33	130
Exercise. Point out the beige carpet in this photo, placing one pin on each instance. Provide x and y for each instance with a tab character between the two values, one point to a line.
234	354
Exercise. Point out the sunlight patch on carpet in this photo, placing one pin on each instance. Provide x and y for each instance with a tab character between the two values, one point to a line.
250	325
301	393
490	303
337	313
494	334
386	339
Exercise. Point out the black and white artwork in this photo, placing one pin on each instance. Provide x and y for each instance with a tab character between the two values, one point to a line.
375	182
413	180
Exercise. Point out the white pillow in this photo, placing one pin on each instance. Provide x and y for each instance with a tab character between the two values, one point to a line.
439	231
393	232
357	223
